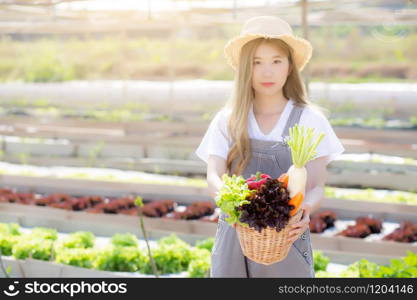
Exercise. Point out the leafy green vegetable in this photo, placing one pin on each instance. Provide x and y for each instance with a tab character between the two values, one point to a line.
303	147
124	240
7	242
78	257
405	267
232	194
44	233
325	274
172	239
366	268
200	264
10	228
79	239
413	120
172	255
34	247
139	201
400	268
121	259
320	261
205	244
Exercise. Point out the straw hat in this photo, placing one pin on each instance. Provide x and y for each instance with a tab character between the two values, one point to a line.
268	27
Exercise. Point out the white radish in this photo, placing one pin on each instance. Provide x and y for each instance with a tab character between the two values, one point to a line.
303	149
297	179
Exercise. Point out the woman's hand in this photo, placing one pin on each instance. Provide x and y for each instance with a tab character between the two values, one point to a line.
299	228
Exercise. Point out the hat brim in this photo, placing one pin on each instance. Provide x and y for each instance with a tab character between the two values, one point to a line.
302	48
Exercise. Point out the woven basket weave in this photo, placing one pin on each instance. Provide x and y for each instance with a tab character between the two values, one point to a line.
268	246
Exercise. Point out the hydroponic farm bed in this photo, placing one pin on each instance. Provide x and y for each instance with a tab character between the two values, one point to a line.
101	223
44	252
176	137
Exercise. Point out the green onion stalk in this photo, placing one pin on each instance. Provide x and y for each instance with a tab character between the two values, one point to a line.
303	149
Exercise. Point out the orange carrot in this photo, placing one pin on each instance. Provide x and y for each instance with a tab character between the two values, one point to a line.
284	179
296	201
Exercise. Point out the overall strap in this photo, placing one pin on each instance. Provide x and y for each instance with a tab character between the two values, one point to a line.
246	267
293	118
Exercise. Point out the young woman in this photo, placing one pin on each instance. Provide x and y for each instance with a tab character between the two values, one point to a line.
248	135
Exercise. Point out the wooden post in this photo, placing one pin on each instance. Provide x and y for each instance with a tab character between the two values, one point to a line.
304	24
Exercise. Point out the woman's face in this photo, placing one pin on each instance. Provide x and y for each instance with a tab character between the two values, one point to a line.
269	65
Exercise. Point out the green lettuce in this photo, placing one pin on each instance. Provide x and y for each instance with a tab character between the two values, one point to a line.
320	261
232	194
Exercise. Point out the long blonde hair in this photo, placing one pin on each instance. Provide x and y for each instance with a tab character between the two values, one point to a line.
242	96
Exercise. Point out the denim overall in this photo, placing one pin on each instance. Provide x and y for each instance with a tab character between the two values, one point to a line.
273	158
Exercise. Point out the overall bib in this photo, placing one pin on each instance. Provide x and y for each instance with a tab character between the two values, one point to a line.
273	158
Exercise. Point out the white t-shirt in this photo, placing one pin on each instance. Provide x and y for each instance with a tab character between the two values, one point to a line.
216	140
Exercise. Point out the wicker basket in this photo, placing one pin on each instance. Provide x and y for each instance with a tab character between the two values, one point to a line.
268	246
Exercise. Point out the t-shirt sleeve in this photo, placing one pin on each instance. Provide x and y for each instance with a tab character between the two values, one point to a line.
216	139
330	145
